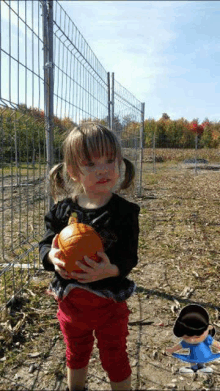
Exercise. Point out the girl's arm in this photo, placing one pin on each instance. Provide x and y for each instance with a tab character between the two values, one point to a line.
173	349
125	252
55	220
50	253
53	258
95	271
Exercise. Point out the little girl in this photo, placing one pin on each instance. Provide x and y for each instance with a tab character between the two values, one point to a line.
93	302
193	327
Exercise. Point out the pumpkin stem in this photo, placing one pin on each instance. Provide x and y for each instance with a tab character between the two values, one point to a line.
73	218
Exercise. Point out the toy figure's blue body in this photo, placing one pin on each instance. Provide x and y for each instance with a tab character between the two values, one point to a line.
199	353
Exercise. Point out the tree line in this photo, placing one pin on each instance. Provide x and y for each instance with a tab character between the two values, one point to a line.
167	133
22	133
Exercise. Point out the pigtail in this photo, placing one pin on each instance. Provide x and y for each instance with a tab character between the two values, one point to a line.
61	184
129	175
59	179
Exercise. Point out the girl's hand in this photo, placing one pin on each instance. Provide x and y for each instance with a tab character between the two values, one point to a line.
169	350
216	344
53	257
174	349
95	271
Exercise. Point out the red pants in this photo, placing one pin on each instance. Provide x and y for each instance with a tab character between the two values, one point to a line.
82	315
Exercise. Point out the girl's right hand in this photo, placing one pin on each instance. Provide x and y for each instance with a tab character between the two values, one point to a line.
169	350
53	257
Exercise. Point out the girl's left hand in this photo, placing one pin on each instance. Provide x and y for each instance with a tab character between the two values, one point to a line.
169	350
95	271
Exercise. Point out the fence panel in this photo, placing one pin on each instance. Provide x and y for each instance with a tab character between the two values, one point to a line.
22	145
128	121
81	83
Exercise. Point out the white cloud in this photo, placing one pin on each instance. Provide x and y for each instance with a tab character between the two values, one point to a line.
130	40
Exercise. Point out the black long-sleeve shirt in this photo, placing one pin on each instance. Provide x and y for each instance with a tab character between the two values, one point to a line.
119	230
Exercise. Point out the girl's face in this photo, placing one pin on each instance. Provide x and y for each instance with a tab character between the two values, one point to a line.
195	339
99	175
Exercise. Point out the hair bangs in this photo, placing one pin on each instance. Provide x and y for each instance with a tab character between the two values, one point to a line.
100	143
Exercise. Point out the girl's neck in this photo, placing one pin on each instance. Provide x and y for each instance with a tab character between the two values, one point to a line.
93	202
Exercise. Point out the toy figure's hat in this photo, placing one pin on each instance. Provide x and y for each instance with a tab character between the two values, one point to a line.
192	320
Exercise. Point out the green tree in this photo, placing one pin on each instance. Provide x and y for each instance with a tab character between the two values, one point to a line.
150	127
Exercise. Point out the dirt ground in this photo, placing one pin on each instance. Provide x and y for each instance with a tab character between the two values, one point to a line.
179	251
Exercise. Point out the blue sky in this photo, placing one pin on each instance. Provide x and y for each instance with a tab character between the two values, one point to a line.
167	53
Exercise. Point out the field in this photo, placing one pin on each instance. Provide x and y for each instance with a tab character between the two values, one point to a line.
179	254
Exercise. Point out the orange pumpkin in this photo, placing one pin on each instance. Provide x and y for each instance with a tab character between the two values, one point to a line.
77	240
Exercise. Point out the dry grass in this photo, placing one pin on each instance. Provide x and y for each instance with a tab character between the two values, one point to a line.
179	155
183	229
179	253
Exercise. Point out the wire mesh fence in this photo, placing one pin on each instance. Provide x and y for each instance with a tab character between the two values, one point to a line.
81	82
50	81
127	115
22	148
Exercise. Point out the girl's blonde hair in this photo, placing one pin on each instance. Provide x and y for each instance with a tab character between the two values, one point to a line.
83	143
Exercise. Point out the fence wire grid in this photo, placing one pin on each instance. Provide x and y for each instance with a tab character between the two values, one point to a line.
50	81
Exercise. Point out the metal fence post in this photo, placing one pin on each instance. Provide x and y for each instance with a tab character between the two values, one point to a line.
113	102
141	148
154	151
109	100
48	84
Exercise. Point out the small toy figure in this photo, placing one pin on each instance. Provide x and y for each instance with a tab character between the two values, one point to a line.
193	327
